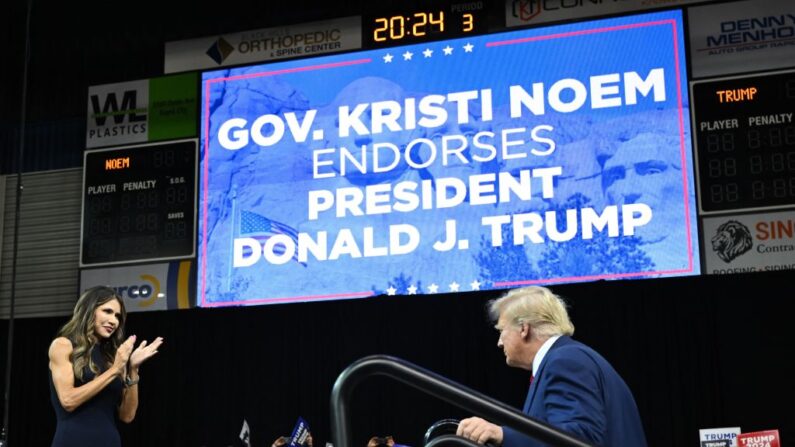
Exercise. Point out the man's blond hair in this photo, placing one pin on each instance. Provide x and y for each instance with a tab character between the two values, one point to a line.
537	306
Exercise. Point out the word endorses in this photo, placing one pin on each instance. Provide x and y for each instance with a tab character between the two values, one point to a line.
421	153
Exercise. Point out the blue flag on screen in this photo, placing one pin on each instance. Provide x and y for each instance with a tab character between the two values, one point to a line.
300	436
261	228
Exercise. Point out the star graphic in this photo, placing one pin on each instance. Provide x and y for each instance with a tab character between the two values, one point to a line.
388	58
407	55
391	291
475	285
454	286
448	50
468	47
433	288
412	290
428	52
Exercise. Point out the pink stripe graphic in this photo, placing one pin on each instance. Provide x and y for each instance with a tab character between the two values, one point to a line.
580	33
682	148
291	299
205	182
680	107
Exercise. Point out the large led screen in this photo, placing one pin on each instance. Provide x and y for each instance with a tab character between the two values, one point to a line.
549	155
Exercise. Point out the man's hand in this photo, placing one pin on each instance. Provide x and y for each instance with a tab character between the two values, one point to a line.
480	431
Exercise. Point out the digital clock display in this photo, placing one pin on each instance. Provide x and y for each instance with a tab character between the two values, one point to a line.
139	203
745	141
440	22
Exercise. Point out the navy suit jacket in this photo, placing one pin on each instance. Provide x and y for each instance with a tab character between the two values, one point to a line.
576	390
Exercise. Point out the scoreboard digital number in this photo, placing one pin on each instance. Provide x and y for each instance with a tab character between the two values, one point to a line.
139	203
444	20
745	142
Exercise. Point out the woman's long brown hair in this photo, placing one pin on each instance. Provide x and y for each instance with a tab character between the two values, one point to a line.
80	330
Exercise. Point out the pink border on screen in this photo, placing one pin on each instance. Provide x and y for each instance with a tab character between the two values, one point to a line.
680	107
205	181
681	146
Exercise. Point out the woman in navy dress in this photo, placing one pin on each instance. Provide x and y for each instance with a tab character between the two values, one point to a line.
94	371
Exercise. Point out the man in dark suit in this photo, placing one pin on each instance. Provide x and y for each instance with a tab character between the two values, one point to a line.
573	387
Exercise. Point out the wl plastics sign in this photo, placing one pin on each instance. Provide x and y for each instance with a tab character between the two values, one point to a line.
306	39
139	111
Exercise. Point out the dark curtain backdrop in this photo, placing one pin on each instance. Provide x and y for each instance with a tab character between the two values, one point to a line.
697	352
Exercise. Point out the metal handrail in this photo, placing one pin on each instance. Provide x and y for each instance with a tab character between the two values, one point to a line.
451	440
440	387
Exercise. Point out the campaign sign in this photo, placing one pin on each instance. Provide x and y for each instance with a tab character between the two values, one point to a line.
301	434
720	443
719	437
767	438
538	156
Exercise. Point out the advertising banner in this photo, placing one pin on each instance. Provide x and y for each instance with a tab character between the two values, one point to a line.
736	37
305	39
538	156
749	243
139	111
146	287
532	12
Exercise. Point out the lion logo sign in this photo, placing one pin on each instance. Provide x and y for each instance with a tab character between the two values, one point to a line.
731	240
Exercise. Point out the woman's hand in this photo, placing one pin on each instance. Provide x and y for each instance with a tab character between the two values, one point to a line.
123	355
143	352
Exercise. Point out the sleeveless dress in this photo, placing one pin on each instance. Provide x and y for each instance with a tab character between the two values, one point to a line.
94	422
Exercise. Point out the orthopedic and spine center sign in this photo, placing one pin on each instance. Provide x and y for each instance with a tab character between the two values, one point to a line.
539	156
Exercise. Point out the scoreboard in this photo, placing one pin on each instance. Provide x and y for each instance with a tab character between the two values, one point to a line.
745	142
313	163
139	203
